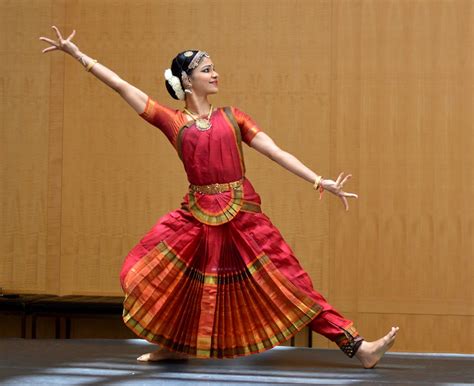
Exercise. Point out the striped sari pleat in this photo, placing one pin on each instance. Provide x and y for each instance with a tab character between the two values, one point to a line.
194	311
182	325
264	316
184	301
236	316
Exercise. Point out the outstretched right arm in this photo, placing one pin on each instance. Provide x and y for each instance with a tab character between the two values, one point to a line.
133	96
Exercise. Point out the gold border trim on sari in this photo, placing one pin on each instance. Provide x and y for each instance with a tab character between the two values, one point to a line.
238	135
222	216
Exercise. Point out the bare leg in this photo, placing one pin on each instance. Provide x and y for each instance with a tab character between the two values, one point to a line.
369	353
161	354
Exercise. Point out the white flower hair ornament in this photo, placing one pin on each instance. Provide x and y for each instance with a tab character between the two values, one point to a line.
174	83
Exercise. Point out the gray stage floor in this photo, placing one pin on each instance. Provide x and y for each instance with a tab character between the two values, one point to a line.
113	362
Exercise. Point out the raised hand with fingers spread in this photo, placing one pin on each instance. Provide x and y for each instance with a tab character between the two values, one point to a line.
61	44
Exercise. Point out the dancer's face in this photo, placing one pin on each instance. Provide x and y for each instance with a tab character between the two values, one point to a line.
204	78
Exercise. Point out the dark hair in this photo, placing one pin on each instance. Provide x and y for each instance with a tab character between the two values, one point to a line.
179	64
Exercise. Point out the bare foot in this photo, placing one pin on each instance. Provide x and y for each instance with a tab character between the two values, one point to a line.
161	354
369	353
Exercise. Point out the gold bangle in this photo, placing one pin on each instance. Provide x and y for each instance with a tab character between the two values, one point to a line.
317	185
317	182
91	64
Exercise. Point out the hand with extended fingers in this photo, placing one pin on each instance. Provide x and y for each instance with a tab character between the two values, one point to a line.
62	44
336	188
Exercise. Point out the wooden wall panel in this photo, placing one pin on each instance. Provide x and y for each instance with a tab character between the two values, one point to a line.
30	148
381	89
412	226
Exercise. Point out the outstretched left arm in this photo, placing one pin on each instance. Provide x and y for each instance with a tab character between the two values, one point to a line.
265	145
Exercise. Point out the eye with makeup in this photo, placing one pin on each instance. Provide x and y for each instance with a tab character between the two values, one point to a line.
207	69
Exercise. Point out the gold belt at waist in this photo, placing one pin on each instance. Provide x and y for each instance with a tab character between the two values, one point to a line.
215	188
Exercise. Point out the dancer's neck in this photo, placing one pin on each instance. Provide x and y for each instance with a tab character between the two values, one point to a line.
197	105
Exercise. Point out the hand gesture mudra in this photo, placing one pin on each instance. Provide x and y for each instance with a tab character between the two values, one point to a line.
61	44
336	188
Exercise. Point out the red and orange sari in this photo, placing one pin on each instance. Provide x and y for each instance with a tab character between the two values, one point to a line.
215	278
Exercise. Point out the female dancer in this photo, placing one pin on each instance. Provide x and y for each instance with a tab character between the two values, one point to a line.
215	279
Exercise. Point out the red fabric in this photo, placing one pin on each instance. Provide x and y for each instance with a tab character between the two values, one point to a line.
214	156
164	118
213	291
169	120
248	126
256	229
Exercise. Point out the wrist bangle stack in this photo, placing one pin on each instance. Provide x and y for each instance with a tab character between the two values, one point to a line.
318	186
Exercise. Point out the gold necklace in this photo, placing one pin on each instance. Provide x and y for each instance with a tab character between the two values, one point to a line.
202	124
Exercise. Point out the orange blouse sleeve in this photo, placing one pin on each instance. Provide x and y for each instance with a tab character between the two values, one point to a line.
248	127
164	118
